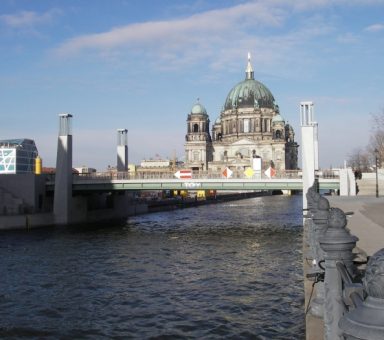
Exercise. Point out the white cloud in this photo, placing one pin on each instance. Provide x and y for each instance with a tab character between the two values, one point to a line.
28	18
375	28
217	37
219	26
348	38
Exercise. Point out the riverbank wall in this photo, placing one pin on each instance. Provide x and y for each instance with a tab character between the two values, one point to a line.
119	210
40	220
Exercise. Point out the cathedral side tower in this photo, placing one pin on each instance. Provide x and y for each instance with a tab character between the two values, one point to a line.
198	143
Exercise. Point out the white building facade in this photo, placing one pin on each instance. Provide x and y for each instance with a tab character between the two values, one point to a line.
249	126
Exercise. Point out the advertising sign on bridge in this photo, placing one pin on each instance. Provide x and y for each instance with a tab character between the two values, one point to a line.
270	172
249	173
227	173
184	174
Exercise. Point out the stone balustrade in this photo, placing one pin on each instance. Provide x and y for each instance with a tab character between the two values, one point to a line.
350	300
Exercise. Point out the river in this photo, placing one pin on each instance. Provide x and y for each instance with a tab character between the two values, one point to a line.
230	270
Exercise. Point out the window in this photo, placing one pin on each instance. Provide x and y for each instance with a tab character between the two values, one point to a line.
196	128
246	125
7	160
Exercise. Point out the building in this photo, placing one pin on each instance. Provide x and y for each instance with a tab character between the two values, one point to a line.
84	170
249	127
17	156
157	167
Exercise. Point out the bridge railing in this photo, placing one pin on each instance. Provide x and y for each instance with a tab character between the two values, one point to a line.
236	174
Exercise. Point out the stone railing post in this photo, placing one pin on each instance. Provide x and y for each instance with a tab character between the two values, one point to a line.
366	321
312	200
337	244
320	225
320	221
312	196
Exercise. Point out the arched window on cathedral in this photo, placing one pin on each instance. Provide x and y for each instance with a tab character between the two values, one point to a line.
195	127
278	134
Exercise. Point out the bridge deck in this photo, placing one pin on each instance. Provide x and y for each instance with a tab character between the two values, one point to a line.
197	184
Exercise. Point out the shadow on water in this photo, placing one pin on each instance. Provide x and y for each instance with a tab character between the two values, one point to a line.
231	270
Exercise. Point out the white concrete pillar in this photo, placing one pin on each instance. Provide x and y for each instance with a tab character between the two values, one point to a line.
316	145
62	202
347	182
309	147
122	150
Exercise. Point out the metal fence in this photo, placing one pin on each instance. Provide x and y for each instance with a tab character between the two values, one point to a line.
280	174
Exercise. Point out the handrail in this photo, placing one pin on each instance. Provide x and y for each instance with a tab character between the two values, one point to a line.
345	276
352	292
280	174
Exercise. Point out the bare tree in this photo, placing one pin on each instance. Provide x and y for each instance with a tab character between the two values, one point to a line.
359	159
376	141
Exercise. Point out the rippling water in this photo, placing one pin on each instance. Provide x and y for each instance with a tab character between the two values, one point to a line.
232	270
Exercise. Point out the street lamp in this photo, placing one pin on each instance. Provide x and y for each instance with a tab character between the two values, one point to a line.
377	176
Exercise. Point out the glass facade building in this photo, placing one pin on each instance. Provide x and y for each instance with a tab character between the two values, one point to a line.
17	156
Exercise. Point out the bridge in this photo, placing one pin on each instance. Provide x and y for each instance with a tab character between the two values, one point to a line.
81	192
123	181
76	198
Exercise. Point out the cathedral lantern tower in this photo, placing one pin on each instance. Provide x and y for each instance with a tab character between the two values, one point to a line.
198	143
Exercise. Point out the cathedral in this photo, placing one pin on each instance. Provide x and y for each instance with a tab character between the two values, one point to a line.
249	128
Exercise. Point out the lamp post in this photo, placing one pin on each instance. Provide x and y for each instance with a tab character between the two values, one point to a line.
377	176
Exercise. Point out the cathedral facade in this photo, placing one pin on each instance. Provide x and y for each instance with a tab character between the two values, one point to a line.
249	126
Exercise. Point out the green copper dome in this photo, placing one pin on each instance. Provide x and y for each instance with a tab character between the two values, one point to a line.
198	109
277	119
249	93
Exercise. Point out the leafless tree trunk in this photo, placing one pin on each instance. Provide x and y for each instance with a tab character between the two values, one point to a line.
359	159
377	137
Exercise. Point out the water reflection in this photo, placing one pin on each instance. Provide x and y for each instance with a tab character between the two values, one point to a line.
225	271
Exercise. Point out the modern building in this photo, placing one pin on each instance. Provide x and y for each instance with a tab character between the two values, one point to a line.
17	156
249	127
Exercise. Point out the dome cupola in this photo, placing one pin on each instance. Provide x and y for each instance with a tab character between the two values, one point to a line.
249	93
278	119
198	108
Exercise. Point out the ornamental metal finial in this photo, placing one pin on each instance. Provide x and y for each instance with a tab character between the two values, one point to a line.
374	275
249	70
323	204
337	218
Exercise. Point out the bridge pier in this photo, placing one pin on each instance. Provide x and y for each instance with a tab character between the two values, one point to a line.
107	205
122	150
62	203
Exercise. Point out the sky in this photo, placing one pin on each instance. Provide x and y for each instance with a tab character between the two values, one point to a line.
142	64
